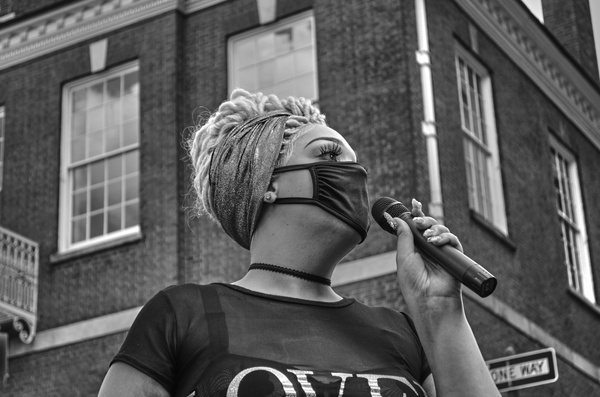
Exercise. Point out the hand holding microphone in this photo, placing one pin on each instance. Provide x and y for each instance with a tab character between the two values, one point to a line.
460	266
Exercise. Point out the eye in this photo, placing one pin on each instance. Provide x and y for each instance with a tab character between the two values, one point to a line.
330	151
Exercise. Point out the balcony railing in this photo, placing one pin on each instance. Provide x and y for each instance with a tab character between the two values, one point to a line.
19	261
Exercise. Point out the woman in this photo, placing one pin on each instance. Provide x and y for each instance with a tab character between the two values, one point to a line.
288	188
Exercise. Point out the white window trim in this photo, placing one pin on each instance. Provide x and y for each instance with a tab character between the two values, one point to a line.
64	230
290	20
587	281
496	190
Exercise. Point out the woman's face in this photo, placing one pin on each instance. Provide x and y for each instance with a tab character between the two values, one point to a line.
320	143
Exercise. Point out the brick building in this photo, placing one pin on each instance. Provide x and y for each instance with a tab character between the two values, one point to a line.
484	113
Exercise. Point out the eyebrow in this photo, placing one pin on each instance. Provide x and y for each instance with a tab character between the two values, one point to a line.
325	138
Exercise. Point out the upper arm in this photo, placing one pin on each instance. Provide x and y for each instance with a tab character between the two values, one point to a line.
124	380
429	386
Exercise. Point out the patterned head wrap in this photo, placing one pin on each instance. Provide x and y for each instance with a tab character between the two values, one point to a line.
240	171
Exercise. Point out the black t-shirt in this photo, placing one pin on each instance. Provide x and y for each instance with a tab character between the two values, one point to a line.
224	340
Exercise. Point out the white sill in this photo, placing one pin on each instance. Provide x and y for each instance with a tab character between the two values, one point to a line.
131	236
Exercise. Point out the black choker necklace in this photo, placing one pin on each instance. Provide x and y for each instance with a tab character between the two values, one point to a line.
291	272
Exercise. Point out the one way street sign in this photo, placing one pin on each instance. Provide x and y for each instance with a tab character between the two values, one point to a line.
524	370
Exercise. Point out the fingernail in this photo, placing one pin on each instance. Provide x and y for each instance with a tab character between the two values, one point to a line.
428	233
389	220
417	203
418	220
433	239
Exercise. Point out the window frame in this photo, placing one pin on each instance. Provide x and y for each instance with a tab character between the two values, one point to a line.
497	215
585	277
65	245
268	28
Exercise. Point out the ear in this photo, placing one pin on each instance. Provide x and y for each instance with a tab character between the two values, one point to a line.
271	194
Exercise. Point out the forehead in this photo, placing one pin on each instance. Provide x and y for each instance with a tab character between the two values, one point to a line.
321	131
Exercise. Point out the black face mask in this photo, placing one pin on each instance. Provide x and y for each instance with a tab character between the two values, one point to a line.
339	188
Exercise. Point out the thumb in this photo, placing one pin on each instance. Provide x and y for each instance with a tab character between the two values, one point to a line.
406	244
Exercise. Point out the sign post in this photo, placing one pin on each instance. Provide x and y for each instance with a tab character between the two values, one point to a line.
524	370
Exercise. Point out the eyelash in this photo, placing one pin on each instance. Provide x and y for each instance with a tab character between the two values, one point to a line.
332	149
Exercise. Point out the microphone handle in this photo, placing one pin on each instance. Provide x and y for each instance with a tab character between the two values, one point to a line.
463	268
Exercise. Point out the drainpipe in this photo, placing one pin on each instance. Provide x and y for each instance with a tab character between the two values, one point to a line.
428	127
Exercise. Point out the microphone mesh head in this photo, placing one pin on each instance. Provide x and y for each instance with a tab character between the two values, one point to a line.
389	205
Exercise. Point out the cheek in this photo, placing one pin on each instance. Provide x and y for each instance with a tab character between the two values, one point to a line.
295	184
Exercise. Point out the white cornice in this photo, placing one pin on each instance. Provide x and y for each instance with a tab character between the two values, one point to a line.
81	21
528	45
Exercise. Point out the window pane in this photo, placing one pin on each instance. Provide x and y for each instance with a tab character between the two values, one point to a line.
302	34
247	79
130	133
265	74
114	220
283	41
95	143
245	53
113	138
114	167
80	178
131	188
304	61
305	86
115	192
132	160
130	107
131	215
113	112
79	100
264	44
78	149
95	119
284	67
97	172
284	89
95	95
131	83
113	88
97	198
80	203
78	230
79	121
97	225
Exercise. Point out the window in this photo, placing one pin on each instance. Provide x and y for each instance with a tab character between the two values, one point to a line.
482	161
572	221
100	158
279	59
1	145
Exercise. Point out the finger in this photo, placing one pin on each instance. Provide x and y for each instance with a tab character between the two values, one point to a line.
424	222
445	238
405	245
435	230
417	208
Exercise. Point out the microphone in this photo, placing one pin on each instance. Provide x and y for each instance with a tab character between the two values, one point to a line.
463	268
